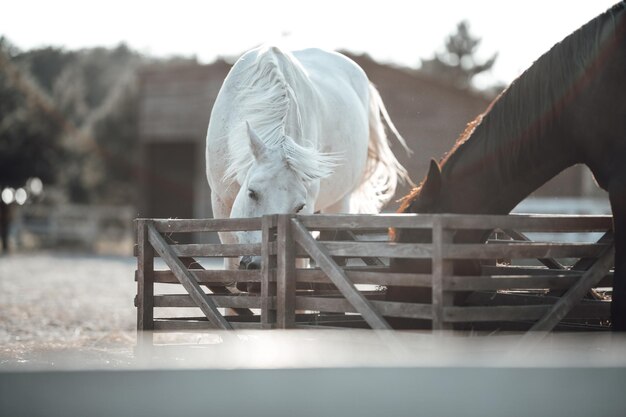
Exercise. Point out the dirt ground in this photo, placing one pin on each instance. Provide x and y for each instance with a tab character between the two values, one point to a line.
54	302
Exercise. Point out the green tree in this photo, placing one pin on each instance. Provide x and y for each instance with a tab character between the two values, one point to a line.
458	64
116	136
29	133
93	91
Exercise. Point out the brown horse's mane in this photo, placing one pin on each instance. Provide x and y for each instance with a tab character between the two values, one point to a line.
511	130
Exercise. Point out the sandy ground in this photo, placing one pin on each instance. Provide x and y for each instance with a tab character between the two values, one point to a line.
51	302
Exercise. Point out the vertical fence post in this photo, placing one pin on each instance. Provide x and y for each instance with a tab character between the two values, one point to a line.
441	269
145	285
268	272
285	274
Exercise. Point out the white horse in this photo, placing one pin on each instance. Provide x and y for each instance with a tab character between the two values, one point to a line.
297	132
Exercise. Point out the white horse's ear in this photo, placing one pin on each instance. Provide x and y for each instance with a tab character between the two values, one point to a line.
256	143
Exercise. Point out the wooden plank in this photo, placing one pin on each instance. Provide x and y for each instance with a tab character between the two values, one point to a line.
495	313
365	221
523	270
379	249
523	250
442	268
372	261
549	262
529	223
367	277
268	272
404	310
216	276
545	223
322	258
211	276
584	264
592	310
189	262
192	325
145	277
187	279
206	225
386	308
326	304
606	281
577	291
584	310
285	274
217	249
223	301
502	282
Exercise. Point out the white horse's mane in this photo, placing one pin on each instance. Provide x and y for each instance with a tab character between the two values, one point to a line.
266	98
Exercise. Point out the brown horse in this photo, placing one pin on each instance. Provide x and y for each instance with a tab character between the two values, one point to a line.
568	108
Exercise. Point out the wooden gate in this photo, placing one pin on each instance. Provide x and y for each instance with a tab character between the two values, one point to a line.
525	284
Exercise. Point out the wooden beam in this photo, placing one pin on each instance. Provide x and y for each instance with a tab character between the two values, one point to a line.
590	278
186	279
268	272
364	221
368	277
191	263
323	259
504	282
369	260
495	313
387	308
216	249
224	301
549	262
442	268
584	264
145	278
206	225
379	249
523	250
173	325
285	275
210	277
529	222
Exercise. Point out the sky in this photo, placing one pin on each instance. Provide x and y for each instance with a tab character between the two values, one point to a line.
391	31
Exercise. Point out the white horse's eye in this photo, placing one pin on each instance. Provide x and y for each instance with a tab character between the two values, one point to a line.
253	195
299	208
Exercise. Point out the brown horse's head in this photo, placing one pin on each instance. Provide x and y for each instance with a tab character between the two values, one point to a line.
425	197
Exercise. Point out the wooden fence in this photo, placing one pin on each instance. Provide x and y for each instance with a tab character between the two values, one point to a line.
524	283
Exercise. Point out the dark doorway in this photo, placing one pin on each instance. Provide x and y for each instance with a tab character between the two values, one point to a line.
169	183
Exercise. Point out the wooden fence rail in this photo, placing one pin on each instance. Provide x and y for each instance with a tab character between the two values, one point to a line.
538	285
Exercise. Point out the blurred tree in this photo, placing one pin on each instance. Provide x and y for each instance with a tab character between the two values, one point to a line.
116	135
458	64
92	93
29	133
88	87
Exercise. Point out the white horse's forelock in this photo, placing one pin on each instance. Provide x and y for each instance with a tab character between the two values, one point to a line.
265	98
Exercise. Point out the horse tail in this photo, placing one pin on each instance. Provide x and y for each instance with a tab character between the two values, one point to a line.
382	170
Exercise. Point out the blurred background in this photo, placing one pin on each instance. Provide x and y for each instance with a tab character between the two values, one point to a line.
103	113
104	110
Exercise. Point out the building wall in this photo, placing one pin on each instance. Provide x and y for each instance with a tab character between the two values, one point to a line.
174	107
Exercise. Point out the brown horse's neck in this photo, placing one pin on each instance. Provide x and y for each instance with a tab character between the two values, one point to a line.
528	135
496	184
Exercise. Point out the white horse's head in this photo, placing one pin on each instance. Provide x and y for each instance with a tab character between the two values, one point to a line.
277	182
